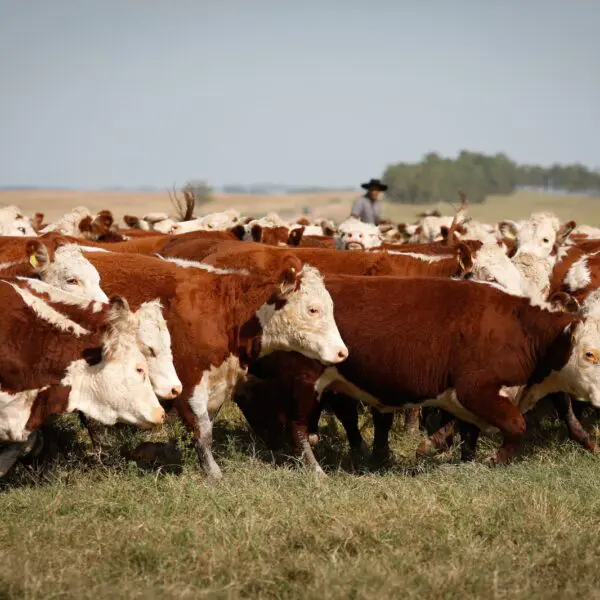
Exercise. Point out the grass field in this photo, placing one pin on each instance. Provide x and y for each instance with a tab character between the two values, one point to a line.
435	529
583	209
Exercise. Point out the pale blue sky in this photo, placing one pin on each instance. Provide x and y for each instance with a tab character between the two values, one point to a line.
323	92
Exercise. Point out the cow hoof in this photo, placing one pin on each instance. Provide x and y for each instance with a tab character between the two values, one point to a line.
319	473
313	439
214	474
381	458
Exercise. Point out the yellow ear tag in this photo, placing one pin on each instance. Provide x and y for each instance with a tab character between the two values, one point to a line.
34	261
460	263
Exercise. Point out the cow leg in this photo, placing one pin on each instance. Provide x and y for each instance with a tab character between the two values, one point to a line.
303	406
469	434
202	430
346	410
313	421
487	404
412	420
382	423
13	452
87	425
564	407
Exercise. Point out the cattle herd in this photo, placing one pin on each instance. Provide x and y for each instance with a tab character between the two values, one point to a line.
470	321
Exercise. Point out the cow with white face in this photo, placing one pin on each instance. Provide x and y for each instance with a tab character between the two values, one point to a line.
354	234
305	323
580	376
541	235
154	341
68	270
95	367
153	337
14	223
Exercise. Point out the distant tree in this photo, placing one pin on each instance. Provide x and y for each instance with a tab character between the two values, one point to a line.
201	191
438	179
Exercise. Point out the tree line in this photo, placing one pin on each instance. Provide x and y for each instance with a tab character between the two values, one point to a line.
437	179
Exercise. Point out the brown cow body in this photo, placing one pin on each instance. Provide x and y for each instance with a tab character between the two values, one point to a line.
215	331
431	336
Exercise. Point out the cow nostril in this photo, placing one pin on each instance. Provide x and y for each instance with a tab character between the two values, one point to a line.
343	354
176	391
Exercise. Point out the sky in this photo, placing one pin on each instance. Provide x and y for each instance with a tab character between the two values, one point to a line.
320	92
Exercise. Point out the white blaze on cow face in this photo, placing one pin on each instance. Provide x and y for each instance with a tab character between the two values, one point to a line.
581	375
13	223
305	323
538	235
353	234
72	272
154	340
491	264
112	383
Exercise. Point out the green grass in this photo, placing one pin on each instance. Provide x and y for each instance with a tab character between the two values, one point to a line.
438	529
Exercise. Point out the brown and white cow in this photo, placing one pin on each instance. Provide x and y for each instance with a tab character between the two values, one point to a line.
221	322
479	341
52	363
54	261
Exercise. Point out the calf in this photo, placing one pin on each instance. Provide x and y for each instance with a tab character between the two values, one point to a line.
221	322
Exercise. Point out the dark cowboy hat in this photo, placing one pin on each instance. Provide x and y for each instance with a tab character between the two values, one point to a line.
374	184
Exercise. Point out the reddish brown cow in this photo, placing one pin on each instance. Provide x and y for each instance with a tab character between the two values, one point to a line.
63	356
268	259
477	340
222	322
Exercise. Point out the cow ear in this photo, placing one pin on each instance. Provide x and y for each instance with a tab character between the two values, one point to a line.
37	254
290	276
328	231
564	302
85	225
257	233
465	259
37	221
295	236
131	221
564	232
92	356
239	231
508	229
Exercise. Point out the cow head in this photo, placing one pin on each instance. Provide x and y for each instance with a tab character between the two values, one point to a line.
67	269
299	316
581	375
492	265
353	234
112	384
154	341
13	223
541	235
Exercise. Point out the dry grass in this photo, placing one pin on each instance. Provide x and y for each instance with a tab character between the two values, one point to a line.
583	209
446	530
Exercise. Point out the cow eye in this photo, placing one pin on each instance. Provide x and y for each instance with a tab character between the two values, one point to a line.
590	356
313	311
140	370
152	352
21	229
545	240
73	281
